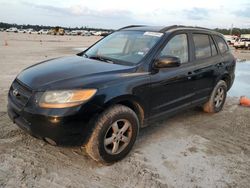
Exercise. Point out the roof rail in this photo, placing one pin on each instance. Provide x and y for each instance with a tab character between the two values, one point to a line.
201	28
129	26
168	27
175	26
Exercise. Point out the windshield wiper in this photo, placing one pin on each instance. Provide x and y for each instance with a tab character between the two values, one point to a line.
101	58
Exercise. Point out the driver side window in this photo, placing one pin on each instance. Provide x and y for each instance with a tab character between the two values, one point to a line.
177	47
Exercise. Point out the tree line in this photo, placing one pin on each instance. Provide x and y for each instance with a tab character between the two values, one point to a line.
233	31
39	27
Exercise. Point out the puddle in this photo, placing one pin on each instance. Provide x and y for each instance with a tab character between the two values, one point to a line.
241	84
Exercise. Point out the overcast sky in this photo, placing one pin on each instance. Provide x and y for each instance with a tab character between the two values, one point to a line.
115	13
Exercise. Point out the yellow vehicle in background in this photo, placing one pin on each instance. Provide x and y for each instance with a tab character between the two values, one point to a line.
56	31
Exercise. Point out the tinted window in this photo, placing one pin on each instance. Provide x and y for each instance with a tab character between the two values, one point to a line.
213	48
221	44
202	46
177	47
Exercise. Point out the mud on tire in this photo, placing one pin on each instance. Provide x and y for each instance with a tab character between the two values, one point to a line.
217	98
117	126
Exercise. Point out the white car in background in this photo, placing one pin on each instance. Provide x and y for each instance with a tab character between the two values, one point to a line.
247	44
240	43
75	32
97	33
230	39
43	31
86	33
12	29
31	31
21	31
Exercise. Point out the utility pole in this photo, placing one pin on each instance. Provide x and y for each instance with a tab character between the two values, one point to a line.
231	30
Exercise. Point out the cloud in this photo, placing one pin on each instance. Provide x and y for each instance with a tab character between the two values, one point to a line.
196	13
87	16
48	8
80	10
243	12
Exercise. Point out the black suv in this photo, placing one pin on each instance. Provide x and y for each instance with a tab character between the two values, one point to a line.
102	96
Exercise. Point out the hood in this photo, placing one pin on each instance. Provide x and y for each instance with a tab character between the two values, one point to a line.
56	70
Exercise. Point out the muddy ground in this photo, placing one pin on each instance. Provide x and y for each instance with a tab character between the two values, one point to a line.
191	149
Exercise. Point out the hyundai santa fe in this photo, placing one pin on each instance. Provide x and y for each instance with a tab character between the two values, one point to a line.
101	97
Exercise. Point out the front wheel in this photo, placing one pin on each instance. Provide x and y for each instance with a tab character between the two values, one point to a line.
217	98
114	134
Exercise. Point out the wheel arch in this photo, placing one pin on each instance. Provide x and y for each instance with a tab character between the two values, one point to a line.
226	77
131	102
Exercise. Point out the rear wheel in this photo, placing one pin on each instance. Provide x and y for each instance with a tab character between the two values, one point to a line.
114	135
217	98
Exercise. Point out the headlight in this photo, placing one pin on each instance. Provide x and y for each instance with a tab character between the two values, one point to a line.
65	98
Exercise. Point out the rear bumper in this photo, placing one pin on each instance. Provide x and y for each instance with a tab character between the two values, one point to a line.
72	130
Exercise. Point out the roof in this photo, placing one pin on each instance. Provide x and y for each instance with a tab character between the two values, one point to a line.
165	28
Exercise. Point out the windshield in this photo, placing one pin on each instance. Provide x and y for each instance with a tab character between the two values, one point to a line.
124	47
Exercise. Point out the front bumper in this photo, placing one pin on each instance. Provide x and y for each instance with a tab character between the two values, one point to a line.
70	130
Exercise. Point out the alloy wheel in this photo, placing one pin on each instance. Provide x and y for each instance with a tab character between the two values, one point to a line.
219	97
118	136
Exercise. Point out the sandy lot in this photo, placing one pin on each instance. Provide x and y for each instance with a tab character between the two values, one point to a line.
192	149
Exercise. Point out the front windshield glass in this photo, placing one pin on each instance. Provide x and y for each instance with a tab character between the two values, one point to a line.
124	47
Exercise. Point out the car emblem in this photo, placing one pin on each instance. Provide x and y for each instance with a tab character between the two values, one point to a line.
15	92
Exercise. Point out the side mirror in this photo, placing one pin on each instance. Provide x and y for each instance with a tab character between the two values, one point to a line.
167	61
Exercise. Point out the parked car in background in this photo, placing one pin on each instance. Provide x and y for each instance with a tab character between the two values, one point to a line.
21	31
67	32
97	33
101	97
30	30
56	31
43	32
240	43
75	32
230	39
104	34
12	29
247	44
86	33
34	32
2	29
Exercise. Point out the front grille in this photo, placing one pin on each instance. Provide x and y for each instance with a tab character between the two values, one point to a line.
19	93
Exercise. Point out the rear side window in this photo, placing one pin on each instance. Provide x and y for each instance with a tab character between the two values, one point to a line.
177	47
213	48
202	46
221	44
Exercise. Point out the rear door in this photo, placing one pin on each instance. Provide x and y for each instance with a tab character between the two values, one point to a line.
206	58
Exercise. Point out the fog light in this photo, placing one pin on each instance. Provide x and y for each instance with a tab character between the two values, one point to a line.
54	119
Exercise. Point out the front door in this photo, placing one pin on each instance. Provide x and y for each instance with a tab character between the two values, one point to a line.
172	88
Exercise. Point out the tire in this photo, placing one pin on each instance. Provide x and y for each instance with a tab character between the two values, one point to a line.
118	126
217	98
